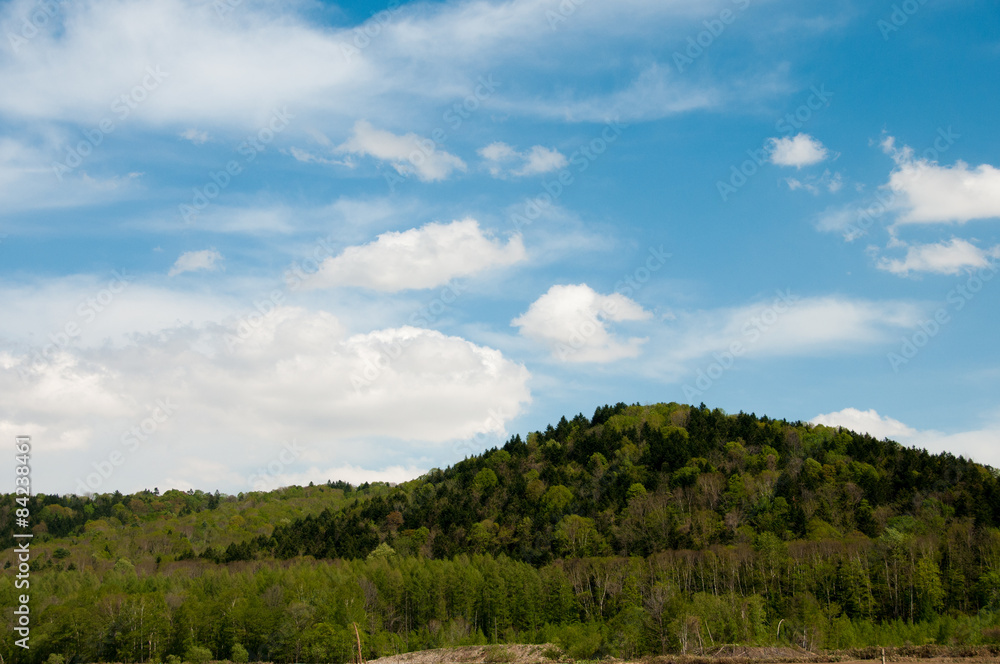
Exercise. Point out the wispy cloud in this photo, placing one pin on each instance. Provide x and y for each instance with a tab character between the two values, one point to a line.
503	160
951	257
195	261
408	154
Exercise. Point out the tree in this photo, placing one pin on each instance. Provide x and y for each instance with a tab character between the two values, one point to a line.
240	654
198	655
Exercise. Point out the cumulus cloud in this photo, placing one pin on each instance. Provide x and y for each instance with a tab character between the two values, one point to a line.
230	397
573	321
422	257
979	445
866	421
951	257
799	150
502	160
194	261
409	154
931	193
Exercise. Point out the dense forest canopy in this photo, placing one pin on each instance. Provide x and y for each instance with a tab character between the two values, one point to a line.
639	530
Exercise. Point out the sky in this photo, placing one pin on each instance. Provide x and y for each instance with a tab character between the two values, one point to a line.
248	244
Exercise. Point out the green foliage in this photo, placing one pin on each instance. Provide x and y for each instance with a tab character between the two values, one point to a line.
239	654
644	530
557	499
197	655
580	640
485	480
381	552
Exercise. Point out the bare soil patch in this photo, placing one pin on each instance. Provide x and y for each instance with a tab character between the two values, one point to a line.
550	654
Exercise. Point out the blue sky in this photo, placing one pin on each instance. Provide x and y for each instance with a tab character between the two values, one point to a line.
247	244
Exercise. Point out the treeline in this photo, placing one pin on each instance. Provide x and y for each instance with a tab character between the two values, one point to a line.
809	595
62	516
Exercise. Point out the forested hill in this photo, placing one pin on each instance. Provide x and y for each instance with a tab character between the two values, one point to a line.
634	480
641	529
631	480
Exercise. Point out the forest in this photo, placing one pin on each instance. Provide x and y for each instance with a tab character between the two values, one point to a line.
644	529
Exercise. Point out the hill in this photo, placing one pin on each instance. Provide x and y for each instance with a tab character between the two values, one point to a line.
639	530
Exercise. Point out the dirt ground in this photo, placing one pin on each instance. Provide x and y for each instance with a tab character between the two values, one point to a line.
550	654
498	654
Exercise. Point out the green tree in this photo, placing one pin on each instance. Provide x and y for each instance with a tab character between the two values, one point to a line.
197	655
239	654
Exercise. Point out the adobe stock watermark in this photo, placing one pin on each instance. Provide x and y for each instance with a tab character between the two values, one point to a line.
957	298
122	107
249	149
33	23
884	202
581	159
130	441
791	122
370	30
87	311
266	478
751	332
454	117
714	27
899	17
562	13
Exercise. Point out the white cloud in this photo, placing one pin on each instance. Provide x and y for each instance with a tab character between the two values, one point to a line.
409	154
784	326
193	261
979	445
29	179
104	310
231	71
572	320
498	151
298	376
866	421
951	257
195	136
422	257
348	473
309	158
831	182
799	150
930	193
502	159
654	93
